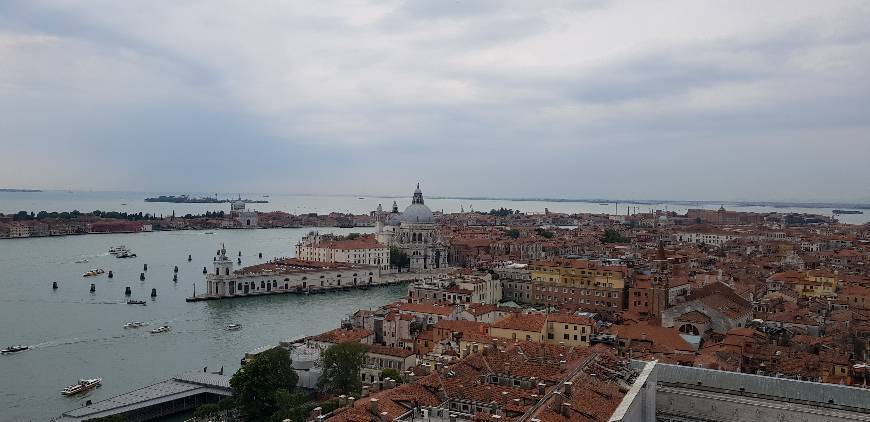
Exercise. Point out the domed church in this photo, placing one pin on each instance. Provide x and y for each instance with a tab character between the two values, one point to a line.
414	232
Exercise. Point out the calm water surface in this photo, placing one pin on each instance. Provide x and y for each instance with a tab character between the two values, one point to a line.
76	334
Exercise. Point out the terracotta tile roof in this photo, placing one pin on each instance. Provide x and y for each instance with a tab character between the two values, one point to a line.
390	351
426	308
396	402
664	340
570	319
341	335
522	322
694	316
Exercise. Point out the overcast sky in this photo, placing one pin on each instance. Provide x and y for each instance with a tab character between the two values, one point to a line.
643	99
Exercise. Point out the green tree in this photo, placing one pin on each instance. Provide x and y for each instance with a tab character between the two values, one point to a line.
544	233
206	409
341	365
256	382
391	373
613	236
113	418
514	233
398	258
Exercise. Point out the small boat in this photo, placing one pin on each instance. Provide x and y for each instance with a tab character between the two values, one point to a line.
233	327
209	232
125	254
161	329
134	324
136	302
14	349
81	261
115	250
82	386
93	273
360	197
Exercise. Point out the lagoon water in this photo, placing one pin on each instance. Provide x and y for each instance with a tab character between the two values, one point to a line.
76	334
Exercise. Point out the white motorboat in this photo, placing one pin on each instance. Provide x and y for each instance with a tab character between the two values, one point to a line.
134	324
233	327
14	349
161	329
115	250
93	273
82	386
81	261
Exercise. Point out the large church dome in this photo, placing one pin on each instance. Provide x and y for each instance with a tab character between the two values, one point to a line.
417	212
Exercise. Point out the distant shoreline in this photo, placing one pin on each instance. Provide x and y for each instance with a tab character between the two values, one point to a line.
609	201
772	204
19	190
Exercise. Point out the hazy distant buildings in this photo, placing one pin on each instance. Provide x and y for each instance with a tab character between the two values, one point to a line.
246	219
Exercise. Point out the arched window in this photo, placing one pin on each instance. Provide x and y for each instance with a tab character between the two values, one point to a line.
689	329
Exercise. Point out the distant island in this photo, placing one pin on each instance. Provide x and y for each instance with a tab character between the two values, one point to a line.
19	190
185	199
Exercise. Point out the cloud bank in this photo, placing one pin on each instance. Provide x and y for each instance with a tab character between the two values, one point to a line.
678	100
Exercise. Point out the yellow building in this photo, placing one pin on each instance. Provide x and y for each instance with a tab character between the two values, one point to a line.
817	283
571	330
586	284
520	327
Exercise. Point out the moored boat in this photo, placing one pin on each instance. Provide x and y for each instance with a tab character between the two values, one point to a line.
93	273
134	324
82	386
233	327
161	329
136	302
14	349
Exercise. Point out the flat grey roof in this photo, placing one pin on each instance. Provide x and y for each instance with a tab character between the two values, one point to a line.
782	388
183	385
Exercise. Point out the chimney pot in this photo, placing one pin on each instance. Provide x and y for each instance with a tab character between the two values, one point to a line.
373	406
566	410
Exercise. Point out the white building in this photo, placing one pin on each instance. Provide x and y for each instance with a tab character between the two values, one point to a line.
362	250
483	290
714	238
246	219
285	275
414	232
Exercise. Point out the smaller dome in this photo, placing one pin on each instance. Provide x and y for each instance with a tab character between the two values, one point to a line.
393	219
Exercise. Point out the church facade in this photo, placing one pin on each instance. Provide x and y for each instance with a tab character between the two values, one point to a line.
414	232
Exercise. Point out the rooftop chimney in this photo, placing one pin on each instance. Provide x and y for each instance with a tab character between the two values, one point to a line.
373	406
566	410
557	402
541	388
567	388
